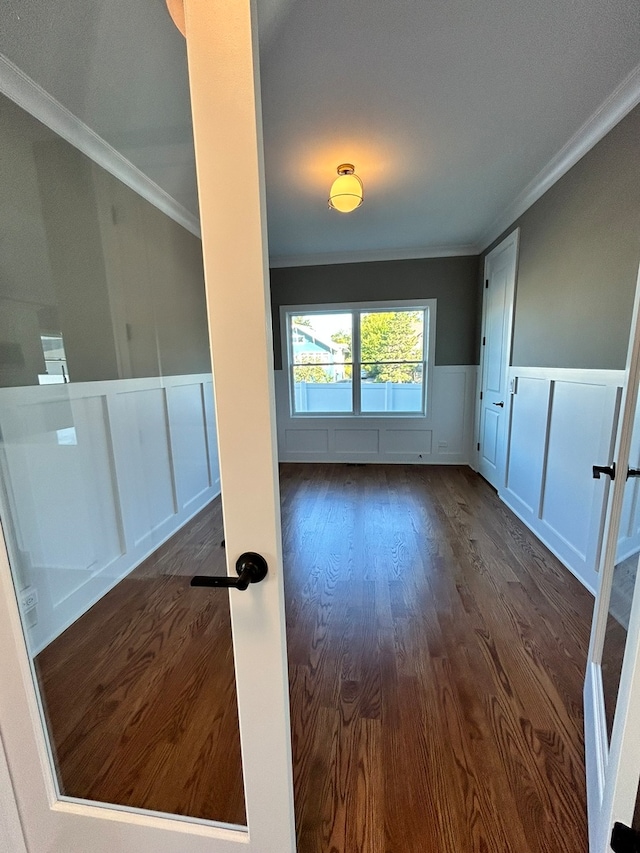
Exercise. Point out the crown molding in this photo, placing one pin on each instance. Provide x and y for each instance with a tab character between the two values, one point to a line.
29	95
611	111
357	257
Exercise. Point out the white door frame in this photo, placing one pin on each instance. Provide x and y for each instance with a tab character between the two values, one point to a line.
613	770
512	239
225	100
11	835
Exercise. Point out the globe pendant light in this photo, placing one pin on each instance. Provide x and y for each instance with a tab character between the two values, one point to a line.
346	191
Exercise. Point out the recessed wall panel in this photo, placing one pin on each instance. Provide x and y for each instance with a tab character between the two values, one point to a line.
188	441
357	441
527	440
149	460
574	444
307	440
404	441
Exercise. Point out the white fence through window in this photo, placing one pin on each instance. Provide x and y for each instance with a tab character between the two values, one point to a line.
326	397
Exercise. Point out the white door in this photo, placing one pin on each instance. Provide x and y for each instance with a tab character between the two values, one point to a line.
495	354
612	681
225	102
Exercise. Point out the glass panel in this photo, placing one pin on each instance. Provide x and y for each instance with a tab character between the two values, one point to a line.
623	584
108	482
321	346
391	336
392	363
401	392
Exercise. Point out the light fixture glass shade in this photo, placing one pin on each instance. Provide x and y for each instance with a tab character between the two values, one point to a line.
346	191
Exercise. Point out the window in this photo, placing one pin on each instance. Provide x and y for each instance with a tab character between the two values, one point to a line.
55	359
362	360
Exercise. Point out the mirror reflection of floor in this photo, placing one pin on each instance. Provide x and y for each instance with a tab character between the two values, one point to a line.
622	588
140	691
624	581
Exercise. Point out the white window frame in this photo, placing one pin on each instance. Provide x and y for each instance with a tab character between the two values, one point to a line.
355	309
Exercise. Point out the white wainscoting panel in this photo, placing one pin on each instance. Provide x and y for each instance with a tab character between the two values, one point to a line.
141	420
95	476
444	436
357	441
561	423
527	438
189	443
400	442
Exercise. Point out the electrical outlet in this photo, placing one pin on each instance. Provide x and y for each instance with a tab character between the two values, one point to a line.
28	599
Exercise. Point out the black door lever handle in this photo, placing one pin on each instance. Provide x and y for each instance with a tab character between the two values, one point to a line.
501	404
251	568
609	470
624	839
633	472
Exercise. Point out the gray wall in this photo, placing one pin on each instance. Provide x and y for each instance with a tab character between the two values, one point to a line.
578	262
452	281
85	256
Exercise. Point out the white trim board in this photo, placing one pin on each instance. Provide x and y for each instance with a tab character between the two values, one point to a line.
570	374
11	835
29	95
611	111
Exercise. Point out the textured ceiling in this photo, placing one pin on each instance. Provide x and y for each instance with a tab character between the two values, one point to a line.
448	108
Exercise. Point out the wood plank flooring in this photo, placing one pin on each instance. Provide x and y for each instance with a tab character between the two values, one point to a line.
140	692
436	655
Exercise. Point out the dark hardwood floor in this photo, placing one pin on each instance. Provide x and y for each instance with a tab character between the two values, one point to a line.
436	654
140	691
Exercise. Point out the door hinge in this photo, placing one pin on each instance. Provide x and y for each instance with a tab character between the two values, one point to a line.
624	839
481	395
478	446
486	283
484	341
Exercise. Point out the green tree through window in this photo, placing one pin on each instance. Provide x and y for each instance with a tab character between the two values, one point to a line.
388	337
311	373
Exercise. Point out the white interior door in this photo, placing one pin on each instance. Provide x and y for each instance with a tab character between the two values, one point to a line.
497	321
225	102
612	682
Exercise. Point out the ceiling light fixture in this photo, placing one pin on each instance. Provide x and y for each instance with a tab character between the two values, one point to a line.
346	191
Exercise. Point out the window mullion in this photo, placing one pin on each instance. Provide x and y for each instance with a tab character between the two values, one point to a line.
356	358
